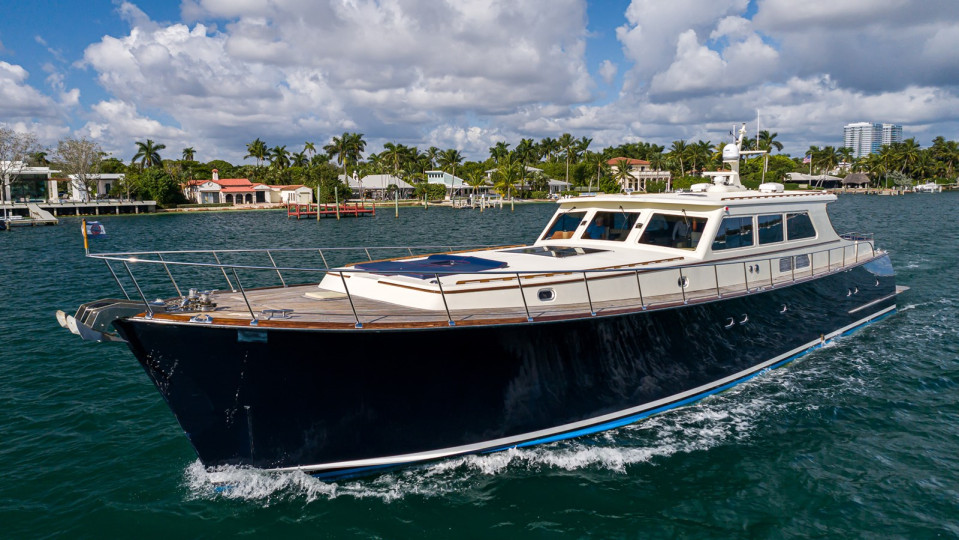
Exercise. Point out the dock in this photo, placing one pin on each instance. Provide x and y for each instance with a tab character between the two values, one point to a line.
308	210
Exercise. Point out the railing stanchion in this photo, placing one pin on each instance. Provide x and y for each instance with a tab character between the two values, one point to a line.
226	277
350	298
682	284
772	283
829	259
167	268
746	277
270	255
588	297
523	295
325	264
792	266
139	290
236	276
719	293
368	256
639	286
449	318
115	278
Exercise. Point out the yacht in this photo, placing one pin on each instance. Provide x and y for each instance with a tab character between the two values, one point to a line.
624	306
928	187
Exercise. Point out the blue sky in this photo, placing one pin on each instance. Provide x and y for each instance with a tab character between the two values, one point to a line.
216	74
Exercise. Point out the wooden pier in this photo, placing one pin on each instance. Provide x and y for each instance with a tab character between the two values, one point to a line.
298	210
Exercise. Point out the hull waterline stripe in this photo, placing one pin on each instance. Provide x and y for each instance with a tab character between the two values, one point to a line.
593	425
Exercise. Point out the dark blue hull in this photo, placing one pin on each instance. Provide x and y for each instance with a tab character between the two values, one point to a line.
334	402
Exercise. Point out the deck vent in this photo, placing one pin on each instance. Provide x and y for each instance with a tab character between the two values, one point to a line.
546	295
771	187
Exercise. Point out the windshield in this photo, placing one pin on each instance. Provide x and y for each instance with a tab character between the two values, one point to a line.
564	226
610	226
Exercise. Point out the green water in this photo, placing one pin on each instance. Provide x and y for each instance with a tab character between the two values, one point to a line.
857	439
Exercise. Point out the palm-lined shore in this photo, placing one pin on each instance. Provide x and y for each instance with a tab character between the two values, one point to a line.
521	170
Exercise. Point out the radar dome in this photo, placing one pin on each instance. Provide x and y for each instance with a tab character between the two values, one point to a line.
730	153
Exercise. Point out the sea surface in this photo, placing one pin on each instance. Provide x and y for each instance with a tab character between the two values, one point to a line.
859	439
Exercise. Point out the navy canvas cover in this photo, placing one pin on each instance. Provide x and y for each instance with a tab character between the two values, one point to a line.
432	265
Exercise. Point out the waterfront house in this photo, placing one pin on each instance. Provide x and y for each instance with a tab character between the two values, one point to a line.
377	186
23	183
231	191
291	194
639	173
101	183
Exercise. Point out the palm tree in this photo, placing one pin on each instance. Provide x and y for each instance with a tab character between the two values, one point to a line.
39	158
188	153
499	151
450	158
346	148
767	141
279	157
309	149
299	159
433	153
256	150
474	180
679	151
548	147
148	153
567	144
622	175
393	155
508	174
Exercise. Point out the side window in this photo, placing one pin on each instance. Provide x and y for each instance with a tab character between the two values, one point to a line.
610	226
799	226
770	228
734	232
675	231
564	226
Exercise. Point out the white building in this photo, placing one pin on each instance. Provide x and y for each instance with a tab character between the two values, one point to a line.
891	133
102	184
640	172
376	186
23	183
866	137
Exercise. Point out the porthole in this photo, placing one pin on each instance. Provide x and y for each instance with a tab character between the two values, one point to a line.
546	295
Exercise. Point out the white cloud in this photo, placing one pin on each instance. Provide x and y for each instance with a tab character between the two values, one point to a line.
20	102
608	70
301	69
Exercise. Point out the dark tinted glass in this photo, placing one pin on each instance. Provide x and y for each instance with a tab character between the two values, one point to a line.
770	228
734	232
799	226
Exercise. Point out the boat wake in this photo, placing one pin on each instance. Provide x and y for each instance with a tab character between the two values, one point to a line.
725	419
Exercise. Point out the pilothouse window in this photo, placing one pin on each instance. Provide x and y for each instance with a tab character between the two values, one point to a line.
770	228
564	226
610	226
799	226
675	231
734	232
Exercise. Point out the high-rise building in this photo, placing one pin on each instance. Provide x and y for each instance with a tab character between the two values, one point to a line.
866	137
891	133
863	137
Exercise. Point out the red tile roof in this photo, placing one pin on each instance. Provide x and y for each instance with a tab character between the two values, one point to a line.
237	189
629	161
233	182
290	187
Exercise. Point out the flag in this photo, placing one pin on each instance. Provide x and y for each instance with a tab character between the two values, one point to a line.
94	229
807	159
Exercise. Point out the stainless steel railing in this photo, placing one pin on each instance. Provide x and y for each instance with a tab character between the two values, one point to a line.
691	284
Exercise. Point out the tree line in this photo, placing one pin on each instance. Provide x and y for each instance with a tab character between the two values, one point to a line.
521	170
